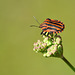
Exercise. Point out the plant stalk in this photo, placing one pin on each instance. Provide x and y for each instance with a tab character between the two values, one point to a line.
68	63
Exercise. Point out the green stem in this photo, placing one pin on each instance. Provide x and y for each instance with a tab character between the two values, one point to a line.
68	63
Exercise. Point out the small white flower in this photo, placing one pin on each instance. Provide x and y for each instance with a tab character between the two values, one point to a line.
53	51
48	43
48	49
35	44
44	54
48	55
58	40
44	44
49	46
59	46
43	36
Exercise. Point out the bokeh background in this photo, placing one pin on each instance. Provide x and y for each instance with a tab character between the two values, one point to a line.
17	37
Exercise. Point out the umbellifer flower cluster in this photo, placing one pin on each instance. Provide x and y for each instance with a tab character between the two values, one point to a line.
50	46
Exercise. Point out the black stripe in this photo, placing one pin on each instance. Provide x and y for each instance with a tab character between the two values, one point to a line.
51	32
50	29
53	25
60	30
43	26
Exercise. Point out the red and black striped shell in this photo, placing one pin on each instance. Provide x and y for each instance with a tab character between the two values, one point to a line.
52	26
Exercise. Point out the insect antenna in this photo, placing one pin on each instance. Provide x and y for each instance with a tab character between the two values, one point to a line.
35	25
36	20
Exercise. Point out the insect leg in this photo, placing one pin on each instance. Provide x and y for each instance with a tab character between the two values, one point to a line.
47	33
41	33
44	33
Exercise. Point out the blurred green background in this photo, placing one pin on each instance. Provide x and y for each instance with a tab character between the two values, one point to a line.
17	37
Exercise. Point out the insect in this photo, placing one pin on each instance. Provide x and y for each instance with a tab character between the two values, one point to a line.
50	26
